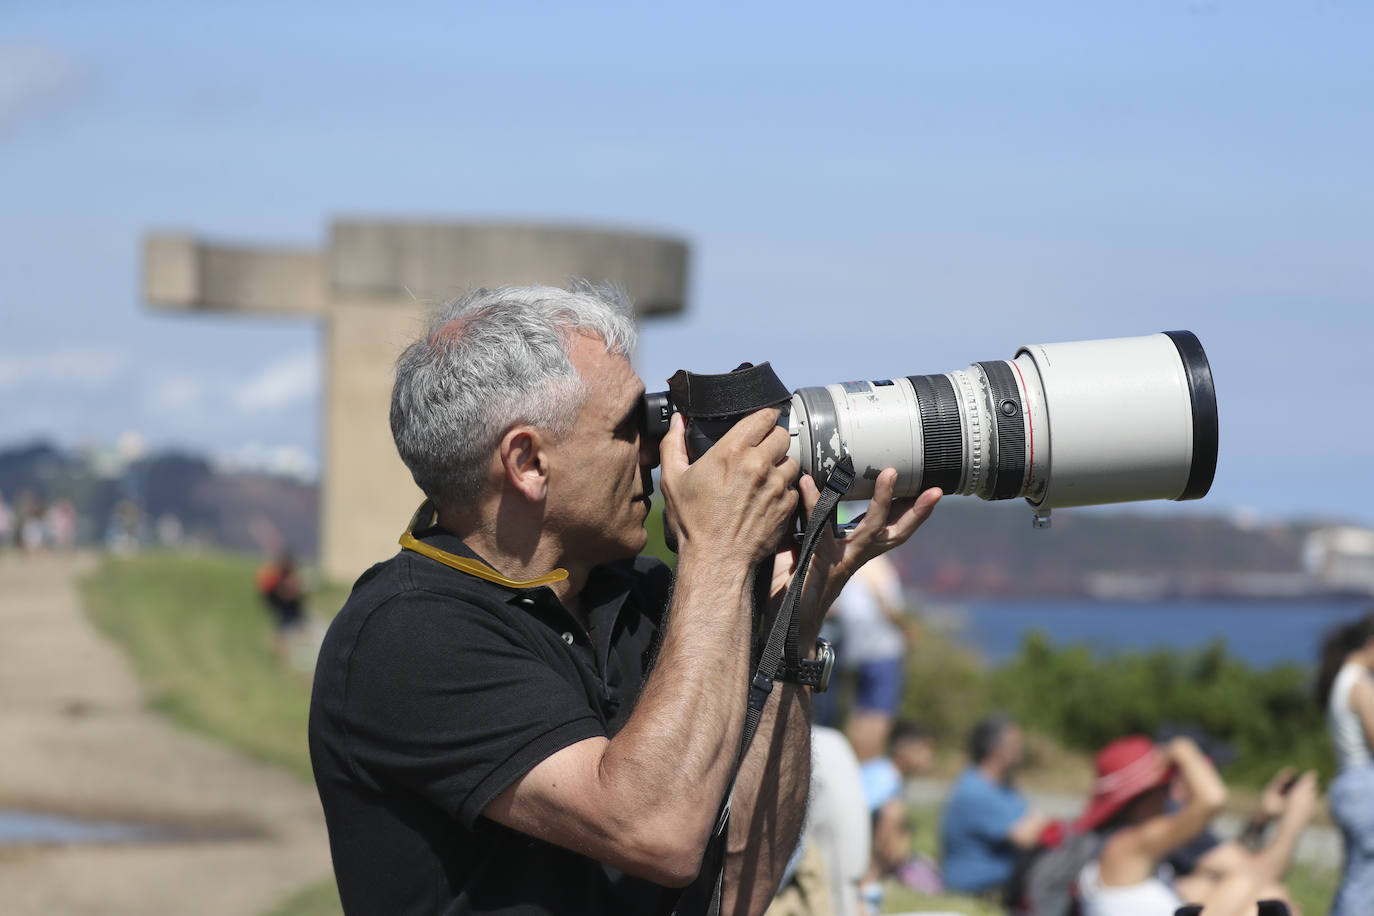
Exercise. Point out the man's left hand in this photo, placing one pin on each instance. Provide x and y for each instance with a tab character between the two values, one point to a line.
887	523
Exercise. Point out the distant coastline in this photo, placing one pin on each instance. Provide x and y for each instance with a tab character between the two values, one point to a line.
995	629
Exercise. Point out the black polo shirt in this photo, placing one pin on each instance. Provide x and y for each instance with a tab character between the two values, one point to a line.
435	690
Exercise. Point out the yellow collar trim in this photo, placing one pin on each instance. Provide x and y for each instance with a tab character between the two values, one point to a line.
426	515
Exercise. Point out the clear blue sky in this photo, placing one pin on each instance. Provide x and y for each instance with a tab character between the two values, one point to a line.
870	191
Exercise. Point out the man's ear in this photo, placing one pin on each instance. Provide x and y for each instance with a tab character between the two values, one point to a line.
524	462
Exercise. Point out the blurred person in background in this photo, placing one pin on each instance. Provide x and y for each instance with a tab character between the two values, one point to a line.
124	529
279	584
6	523
515	714
871	618
987	823
60	524
1130	807
1207	858
891	841
1345	690
911	753
29	529
828	867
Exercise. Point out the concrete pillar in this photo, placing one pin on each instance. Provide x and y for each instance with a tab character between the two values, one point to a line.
371	285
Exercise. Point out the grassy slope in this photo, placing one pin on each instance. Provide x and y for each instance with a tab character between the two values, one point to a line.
201	643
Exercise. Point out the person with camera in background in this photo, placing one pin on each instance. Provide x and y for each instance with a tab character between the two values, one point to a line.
516	715
1130	809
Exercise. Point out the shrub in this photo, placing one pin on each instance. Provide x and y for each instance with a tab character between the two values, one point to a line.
1266	716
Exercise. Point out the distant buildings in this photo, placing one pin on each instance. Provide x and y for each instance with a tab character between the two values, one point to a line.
1341	558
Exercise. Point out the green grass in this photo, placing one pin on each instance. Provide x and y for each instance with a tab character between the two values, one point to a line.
320	899
201	642
1312	888
901	899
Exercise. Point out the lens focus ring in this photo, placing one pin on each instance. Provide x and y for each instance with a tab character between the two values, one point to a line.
1009	472
942	462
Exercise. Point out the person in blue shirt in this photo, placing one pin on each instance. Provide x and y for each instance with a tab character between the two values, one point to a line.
987	822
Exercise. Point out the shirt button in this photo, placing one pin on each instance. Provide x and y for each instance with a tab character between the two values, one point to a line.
527	602
568	638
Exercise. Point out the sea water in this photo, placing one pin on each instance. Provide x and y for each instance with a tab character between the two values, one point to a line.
1261	633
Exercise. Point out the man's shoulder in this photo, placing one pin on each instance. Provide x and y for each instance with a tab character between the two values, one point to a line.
970	780
405	583
974	788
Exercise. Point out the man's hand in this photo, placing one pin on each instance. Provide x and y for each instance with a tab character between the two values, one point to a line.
886	524
732	503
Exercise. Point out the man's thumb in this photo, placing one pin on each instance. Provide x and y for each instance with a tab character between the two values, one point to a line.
672	452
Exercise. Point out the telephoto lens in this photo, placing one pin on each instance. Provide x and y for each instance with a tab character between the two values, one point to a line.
1063	424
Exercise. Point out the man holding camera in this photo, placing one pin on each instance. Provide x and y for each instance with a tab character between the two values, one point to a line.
516	715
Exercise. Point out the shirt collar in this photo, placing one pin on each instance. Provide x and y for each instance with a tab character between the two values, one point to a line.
426	517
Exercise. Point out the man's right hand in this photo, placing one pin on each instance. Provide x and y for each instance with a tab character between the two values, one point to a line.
733	503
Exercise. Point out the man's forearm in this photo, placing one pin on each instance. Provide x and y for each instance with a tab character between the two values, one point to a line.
771	793
769	806
676	752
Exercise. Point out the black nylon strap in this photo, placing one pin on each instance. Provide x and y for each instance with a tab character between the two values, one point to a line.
782	653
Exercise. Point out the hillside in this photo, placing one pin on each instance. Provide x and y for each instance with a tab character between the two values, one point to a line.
971	547
976	547
171	498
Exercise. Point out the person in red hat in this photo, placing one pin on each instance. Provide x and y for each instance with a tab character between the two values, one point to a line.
1130	804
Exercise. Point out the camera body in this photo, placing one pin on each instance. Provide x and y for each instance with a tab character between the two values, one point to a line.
1065	424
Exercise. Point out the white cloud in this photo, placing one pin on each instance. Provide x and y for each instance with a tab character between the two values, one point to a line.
33	76
282	384
175	394
284	460
69	367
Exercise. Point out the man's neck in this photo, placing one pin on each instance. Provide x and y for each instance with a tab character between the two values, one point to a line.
993	772
527	558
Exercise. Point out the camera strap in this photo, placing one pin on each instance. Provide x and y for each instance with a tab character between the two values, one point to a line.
781	658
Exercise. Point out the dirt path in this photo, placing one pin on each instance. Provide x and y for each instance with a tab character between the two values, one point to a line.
76	737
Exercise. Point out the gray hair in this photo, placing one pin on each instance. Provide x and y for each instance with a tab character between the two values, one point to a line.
490	360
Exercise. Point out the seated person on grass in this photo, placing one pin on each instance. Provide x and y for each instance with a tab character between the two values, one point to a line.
1130	807
884	781
987	823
